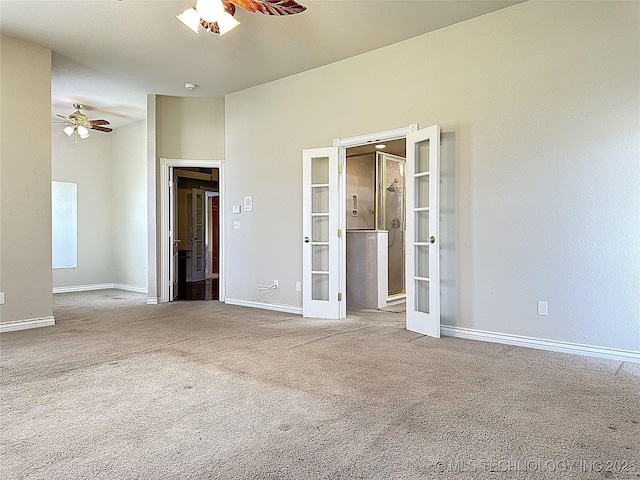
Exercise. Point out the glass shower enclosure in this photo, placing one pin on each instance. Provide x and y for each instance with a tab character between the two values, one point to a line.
390	216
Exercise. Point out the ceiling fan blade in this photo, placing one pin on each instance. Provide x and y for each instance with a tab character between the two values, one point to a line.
270	7
99	122
101	129
62	116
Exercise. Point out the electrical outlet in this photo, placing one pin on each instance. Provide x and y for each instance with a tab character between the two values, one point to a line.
236	225
275	283
1	298
298	286
543	309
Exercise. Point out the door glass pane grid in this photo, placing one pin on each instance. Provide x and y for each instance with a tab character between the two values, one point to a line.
320	286
421	227
320	228
319	199
422	157
421	261
422	191
421	295
320	171
320	258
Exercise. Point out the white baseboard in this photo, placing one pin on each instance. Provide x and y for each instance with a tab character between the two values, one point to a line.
100	286
266	306
130	288
541	344
26	324
152	300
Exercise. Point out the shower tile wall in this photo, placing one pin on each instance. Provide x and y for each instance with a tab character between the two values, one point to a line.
361	182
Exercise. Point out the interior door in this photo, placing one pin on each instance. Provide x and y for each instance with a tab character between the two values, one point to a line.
197	235
423	242
322	237
173	237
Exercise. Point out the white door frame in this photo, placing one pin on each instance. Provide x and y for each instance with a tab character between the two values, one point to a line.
165	244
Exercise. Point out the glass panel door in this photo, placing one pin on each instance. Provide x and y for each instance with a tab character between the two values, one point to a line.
197	235
321	243
423	244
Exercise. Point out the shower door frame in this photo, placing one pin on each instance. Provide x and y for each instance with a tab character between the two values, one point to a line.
381	208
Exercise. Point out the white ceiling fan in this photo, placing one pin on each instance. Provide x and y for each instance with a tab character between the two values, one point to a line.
216	16
79	124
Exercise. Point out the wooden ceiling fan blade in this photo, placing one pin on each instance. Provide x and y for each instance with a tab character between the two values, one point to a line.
270	7
62	116
101	129
99	122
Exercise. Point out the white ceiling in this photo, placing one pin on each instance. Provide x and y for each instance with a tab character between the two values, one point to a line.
110	54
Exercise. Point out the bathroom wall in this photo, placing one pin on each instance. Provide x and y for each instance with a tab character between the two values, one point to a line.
361	182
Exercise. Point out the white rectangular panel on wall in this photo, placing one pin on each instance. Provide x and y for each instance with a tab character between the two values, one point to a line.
64	224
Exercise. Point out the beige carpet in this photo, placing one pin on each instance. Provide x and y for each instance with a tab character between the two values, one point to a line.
201	390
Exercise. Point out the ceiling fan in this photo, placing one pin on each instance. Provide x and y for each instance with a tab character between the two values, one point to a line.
79	124
216	16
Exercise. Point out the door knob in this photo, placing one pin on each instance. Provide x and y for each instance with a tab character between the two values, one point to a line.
307	239
432	239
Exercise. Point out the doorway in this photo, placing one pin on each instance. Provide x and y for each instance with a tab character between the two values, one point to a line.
324	221
170	243
197	232
375	224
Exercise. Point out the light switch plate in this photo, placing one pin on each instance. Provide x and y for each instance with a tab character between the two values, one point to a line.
236	209
1	298
248	204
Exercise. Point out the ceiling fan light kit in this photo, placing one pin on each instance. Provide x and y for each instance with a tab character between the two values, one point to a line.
79	124
216	16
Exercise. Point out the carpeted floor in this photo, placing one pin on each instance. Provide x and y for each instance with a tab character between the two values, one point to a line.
202	390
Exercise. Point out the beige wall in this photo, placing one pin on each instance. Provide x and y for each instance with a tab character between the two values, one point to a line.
25	181
129	205
540	106
87	163
190	128
110	170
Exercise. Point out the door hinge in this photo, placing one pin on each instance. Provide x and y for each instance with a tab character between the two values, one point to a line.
170	234
170	183
339	297
339	233
339	169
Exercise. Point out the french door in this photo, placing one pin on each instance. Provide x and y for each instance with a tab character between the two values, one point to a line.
322	234
197	234
324	258
423	241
